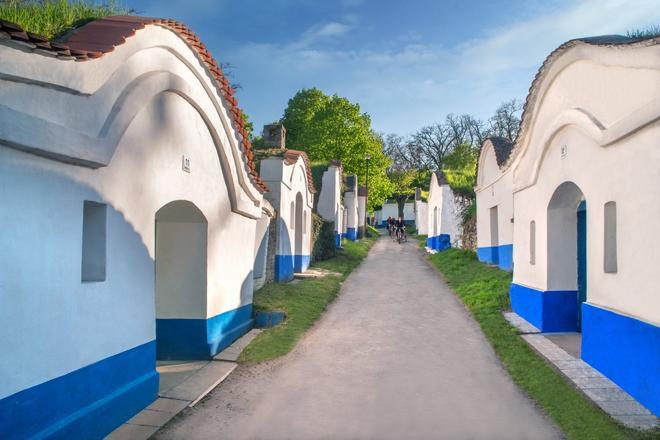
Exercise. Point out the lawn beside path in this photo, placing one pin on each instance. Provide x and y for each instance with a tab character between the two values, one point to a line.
303	302
484	290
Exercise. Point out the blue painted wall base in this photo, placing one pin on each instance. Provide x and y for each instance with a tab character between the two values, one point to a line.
283	268
351	234
549	311
181	339
268	318
624	349
439	242
337	240
301	263
501	256
87	403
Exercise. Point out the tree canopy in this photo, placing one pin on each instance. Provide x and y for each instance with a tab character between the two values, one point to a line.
332	127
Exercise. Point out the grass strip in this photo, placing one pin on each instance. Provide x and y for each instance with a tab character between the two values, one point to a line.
53	18
303	302
484	290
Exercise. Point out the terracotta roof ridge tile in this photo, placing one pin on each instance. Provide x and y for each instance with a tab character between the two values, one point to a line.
101	36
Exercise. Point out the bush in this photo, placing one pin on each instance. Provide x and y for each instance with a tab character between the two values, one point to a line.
323	239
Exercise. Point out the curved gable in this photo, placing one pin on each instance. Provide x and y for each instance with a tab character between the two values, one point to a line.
606	87
437	180
104	75
299	164
493	159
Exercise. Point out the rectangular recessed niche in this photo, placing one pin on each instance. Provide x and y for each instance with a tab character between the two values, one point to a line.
610	261
532	242
93	241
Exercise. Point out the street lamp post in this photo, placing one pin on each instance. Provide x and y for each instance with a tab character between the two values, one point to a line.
366	196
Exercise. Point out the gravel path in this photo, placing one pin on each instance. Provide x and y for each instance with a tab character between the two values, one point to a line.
396	356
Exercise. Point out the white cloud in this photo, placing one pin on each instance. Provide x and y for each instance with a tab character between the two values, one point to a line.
420	81
332	29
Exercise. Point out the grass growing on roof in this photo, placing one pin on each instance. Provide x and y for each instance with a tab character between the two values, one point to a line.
303	302
318	168
53	18
484	290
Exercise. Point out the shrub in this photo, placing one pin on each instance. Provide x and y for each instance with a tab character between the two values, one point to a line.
323	238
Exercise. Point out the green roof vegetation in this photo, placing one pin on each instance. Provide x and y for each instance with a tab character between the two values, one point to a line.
649	32
54	18
318	168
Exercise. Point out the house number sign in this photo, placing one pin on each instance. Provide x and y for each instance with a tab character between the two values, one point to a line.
185	163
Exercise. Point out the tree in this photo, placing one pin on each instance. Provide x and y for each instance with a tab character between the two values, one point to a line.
506	120
403	186
247	124
298	116
332	127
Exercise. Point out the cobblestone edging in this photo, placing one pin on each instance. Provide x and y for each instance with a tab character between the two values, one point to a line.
603	392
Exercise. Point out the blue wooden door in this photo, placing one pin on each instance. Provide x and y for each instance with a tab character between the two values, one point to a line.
581	258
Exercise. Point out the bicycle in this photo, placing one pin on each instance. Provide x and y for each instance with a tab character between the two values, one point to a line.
401	235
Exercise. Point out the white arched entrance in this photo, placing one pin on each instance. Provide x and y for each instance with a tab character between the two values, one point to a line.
299	233
567	247
181	248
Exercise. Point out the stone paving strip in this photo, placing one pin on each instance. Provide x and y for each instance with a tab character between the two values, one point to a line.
519	323
172	401
602	391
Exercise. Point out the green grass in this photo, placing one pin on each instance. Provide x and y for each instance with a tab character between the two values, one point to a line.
53	18
303	302
484	290
318	167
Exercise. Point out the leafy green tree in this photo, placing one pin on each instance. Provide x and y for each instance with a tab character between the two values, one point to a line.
332	127
298	116
247	124
402	186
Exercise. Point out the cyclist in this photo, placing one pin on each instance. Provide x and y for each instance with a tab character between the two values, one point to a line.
390	225
400	230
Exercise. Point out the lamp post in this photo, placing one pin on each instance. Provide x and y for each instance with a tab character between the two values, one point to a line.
366	196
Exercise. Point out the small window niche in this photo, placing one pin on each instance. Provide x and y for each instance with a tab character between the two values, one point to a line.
610	257
532	242
94	241
293	215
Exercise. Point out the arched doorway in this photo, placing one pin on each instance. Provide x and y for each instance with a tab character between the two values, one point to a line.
180	254
567	252
298	237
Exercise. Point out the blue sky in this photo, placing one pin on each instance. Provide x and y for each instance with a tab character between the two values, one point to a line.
407	63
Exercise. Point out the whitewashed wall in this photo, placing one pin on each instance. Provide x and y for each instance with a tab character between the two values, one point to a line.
443	212
421	217
124	121
392	210
610	152
287	181
494	189
329	204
